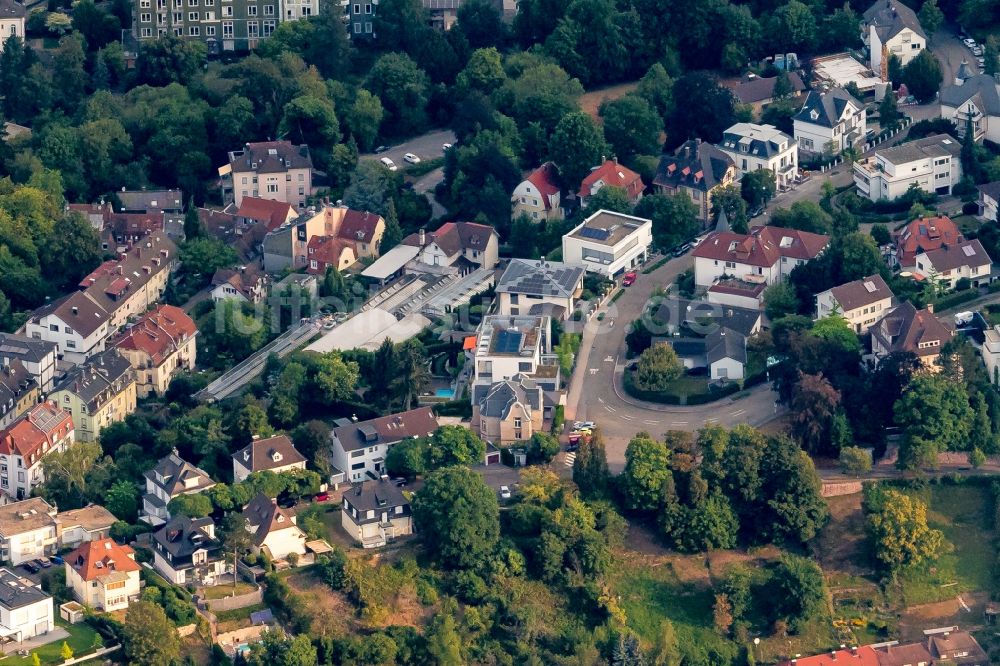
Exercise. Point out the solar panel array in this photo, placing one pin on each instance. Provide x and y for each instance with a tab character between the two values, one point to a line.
47	420
508	342
596	234
969	250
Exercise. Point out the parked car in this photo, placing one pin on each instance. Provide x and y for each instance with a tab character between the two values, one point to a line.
445	147
756	212
504	492
43	562
329	325
682	250
583	424
400	482
30	567
57	560
381	149
968	41
410	158
321	497
977	50
388	164
629	279
583	431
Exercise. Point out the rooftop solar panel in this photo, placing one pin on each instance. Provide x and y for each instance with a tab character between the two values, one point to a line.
596	234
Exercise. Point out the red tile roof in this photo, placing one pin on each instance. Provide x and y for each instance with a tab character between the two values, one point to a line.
862	656
133	225
455	237
32	435
327	251
543	178
614	174
96	559
358	226
159	333
272	213
764	246
923	234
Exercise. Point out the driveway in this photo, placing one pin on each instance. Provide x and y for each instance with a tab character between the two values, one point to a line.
426	147
600	365
425	185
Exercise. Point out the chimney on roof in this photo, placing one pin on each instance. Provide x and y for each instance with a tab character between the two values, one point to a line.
422	237
930	308
854	650
76	310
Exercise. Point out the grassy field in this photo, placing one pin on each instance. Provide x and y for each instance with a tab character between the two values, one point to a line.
967	223
82	639
226	590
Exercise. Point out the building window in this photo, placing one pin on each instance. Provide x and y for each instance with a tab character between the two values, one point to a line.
227	31
145	18
268	27
368	9
252	10
357	9
517	423
268	10
194	31
146	32
272	188
192	16
253	31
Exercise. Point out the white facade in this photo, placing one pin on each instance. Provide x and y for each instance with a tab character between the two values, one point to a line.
991	354
932	164
70	343
848	130
210	571
905	45
976	269
11	25
726	368
860	319
30	613
753	147
985	124
492	364
280	543
109	593
708	271
608	243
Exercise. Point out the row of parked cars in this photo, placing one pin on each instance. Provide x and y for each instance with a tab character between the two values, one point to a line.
977	50
34	566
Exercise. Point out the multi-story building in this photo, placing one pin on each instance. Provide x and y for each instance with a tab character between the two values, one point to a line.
160	344
455	247
358	450
274	170
608	243
274	454
906	329
28	530
290	244
509	411
170	478
932	164
752	147
246	284
360	17
830	122
973	98
861	302
507	346
37	356
97	393
44	429
537	196
186	552
539	287
950	263
25	610
611	174
89	523
18	391
698	170
103	574
764	256
890	28
12	21
273	530
165	205
376	512
920	236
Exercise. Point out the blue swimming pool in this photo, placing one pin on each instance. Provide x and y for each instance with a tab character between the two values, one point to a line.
445	393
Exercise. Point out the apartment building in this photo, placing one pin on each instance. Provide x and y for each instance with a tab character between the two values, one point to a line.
44	429
359	449
103	575
37	356
608	243
171	477
97	394
539	287
891	28
18	391
752	147
932	164
28	530
861	302
25	610
273	170
158	346
698	170
764	256
830	122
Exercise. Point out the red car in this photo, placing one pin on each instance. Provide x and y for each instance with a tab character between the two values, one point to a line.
629	279
322	497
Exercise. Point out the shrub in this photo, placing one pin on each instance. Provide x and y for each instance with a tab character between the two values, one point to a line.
970	208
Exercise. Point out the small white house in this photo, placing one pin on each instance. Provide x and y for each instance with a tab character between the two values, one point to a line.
889	27
861	302
28	530
608	243
536	287
273	530
753	147
25	610
186	552
951	263
376	512
830	122
276	454
359	449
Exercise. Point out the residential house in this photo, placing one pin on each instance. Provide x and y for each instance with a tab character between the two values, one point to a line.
360	18
698	170
829	123
167	205
18	391
273	529
757	92
708	335
246	284
103	574
736	292
270	213
359	449
160	344
97	393
37	356
25	610
861	302
906	329
539	287
187	552
920	236
44	429
276	170
76	526
363	230
906	654
108	297
608	243
28	530
97	214
950	263
275	454
890	28
171	477
766	255
508	345
12	20
509	411
376	512
611	174
931	164
288	246
537	196
329	252
460	247
950	645
853	656
121	228
752	147
974	100
989	195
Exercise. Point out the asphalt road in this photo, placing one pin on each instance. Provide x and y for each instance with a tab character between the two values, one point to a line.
950	52
596	392
426	147
425	185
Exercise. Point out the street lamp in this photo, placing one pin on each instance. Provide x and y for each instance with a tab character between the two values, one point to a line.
756	642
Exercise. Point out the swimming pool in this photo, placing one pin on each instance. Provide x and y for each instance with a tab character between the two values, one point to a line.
445	393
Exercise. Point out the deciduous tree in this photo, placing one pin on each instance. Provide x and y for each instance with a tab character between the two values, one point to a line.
657	367
647	468
458	516
899	532
149	637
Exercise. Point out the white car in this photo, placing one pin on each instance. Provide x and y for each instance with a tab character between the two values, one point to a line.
410	158
968	41
504	492
445	147
977	51
579	425
388	164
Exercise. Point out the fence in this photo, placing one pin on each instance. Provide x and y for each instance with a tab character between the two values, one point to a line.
230	603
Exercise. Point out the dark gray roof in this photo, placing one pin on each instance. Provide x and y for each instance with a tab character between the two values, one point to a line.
762	141
950	257
965	72
705	316
144	201
828	107
981	89
183	535
269	453
17	592
695	165
890	18
10	9
102	377
176	472
390	429
991	190
540	278
270	157
762	90
725	343
15	381
939	145
25	348
502	395
375	496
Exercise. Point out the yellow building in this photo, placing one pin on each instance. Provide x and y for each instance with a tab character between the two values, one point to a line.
157	346
97	394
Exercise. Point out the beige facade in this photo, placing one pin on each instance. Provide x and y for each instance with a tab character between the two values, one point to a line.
152	378
98	394
519	424
115	409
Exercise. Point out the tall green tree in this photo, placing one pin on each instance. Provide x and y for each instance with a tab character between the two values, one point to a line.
631	126
899	532
577	146
935	414
931	17
149	637
458	517
590	468
647	470
403	88
412	373
923	76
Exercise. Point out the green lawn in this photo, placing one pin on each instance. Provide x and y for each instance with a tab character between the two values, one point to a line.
963	513
226	590
82	639
967	223
238	614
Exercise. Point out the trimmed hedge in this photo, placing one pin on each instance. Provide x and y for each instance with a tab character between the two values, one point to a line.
665	398
462	408
956	299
